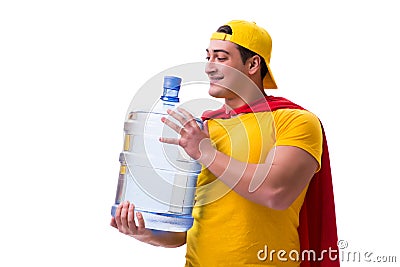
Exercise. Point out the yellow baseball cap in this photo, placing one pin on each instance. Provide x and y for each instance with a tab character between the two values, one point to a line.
254	38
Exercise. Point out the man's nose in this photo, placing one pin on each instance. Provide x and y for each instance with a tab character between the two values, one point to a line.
210	68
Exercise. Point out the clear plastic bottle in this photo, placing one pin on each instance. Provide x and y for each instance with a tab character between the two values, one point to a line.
160	179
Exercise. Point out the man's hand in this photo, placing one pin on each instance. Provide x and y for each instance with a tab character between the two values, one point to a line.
194	140
124	221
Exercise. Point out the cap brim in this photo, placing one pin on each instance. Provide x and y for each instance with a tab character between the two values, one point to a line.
269	81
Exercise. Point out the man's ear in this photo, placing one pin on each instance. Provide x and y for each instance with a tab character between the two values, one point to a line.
254	64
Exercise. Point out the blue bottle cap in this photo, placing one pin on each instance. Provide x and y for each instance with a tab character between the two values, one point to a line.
172	82
172	85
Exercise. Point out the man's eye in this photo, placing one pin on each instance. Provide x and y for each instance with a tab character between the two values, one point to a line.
208	58
221	58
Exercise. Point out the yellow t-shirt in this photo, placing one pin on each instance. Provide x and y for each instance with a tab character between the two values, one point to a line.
230	230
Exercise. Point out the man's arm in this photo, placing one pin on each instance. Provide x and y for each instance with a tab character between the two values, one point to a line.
125	223
275	183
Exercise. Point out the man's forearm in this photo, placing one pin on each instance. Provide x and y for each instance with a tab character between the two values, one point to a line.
276	183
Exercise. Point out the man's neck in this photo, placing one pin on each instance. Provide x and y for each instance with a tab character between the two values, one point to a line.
236	102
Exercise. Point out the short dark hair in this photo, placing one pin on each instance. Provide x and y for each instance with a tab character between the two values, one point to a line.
245	53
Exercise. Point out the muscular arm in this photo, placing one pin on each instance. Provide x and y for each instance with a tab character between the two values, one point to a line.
125	223
275	183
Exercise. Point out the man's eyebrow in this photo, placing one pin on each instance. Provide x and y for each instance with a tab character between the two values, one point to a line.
218	50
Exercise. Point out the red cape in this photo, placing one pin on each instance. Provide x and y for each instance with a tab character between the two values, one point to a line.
317	219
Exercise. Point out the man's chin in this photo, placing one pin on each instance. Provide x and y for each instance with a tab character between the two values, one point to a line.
218	91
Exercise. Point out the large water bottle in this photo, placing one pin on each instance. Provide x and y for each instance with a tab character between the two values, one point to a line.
159	178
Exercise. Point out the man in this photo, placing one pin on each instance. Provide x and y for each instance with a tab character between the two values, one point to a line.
260	154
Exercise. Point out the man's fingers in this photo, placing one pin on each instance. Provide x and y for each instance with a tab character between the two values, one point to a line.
141	225
186	120
171	125
166	140
186	113
124	219
189	117
124	216
118	215
177	116
131	218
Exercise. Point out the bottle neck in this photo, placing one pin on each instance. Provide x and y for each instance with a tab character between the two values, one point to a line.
170	95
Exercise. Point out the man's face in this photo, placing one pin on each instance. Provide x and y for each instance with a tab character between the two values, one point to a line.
224	69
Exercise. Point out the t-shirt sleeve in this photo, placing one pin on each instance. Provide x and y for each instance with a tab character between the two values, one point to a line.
299	128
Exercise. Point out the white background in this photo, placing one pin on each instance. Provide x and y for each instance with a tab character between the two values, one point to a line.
69	69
